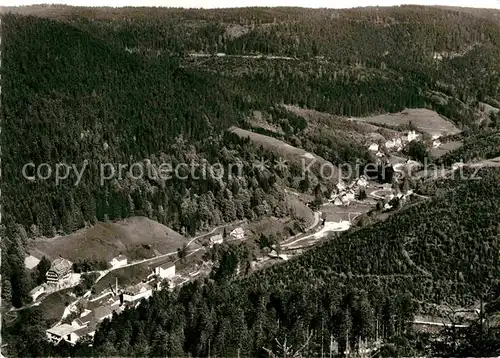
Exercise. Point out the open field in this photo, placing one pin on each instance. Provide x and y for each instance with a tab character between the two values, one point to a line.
315	118
52	307
136	237
423	119
284	150
445	148
126	276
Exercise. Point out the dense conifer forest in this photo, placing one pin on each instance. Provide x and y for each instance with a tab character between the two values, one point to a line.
92	86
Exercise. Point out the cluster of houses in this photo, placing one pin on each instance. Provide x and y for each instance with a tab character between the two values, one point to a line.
236	234
84	327
345	193
395	144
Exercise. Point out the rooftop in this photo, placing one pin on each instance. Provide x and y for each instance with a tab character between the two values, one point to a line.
37	288
216	237
31	262
140	287
84	320
62	329
60	265
86	330
101	312
120	257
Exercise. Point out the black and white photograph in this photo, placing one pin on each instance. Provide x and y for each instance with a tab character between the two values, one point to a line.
250	178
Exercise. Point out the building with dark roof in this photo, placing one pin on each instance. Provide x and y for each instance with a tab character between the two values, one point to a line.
59	270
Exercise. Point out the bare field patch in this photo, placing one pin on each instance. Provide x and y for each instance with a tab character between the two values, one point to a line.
314	117
136	237
423	119
445	148
300	208
285	150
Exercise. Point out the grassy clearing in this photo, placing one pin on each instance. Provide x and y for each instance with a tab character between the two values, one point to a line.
126	276
136	237
424	120
445	148
52	306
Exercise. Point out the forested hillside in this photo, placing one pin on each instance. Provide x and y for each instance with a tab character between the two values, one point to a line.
87	87
357	287
129	90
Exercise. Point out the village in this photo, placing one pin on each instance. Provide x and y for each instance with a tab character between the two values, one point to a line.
82	317
112	294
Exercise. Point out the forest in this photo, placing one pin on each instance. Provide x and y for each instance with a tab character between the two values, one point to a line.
355	288
135	85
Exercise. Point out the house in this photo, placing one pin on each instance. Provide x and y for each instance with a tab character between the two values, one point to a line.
216	239
341	186
362	181
137	292
373	147
412	135
238	233
118	261
31	262
437	56
101	313
84	319
84	326
412	165
342	199
337	201
62	332
394	144
347	195
95	316
59	270
167	270
37	291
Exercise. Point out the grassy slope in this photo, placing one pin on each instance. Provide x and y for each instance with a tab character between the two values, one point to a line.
107	240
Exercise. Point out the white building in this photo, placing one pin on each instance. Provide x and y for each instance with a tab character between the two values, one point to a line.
167	270
362	181
412	135
394	144
119	261
216	239
373	147
37	291
238	233
347	195
338	202
137	292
